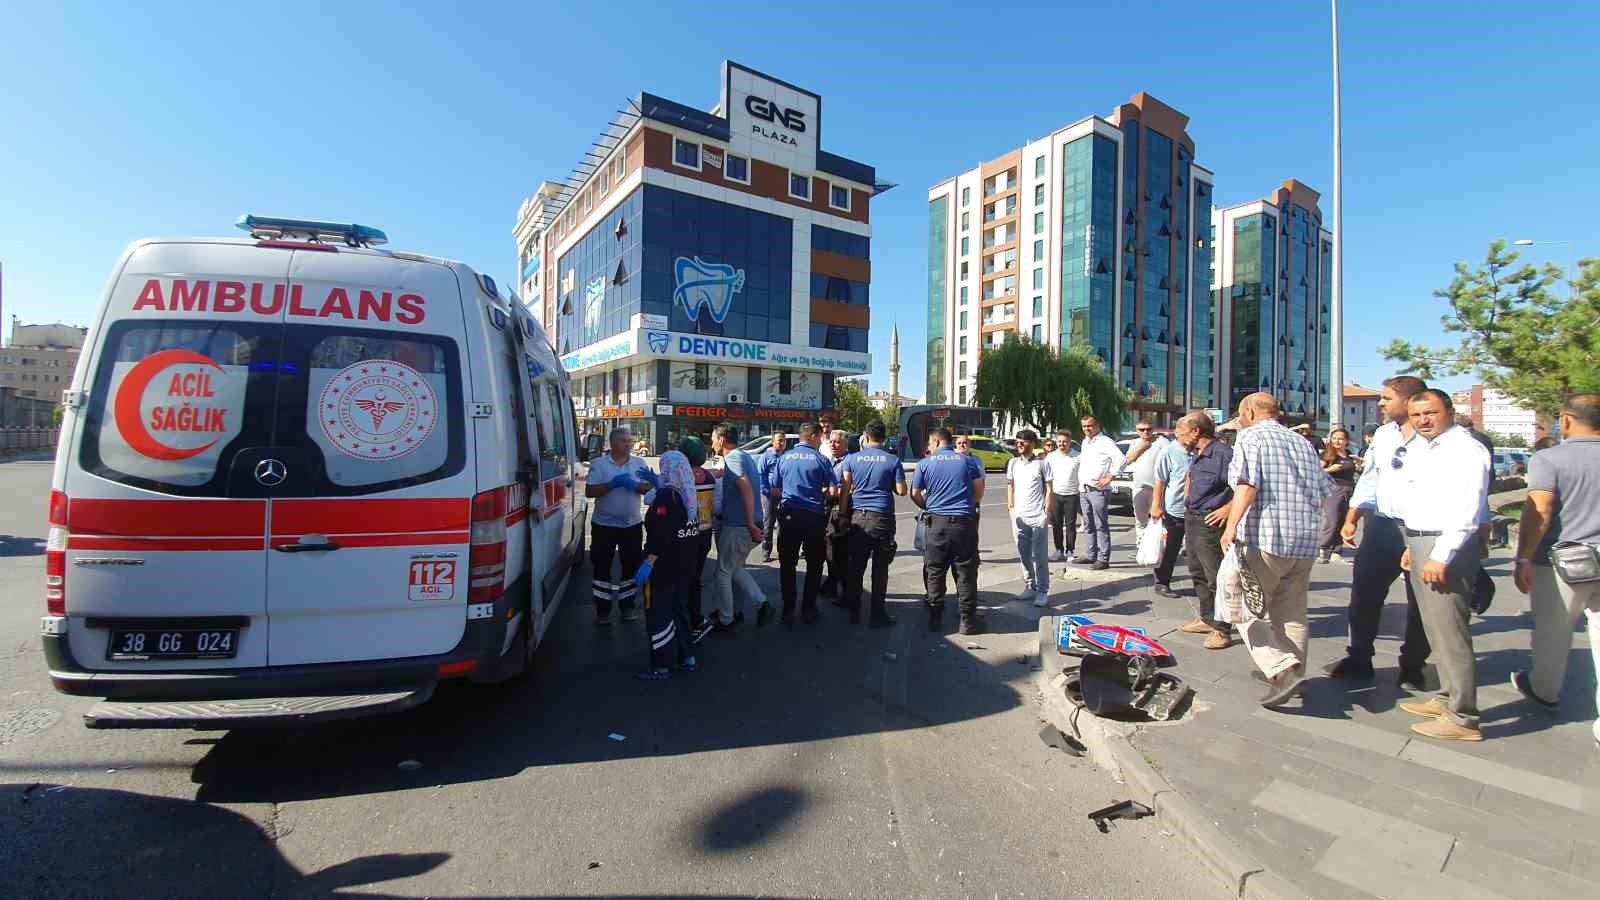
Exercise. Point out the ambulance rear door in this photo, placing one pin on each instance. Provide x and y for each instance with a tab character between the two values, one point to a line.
165	558
369	528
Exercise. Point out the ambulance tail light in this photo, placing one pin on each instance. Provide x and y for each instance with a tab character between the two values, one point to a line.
55	557
486	571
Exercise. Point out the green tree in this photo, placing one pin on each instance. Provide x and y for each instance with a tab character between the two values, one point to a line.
890	414
1037	386
1506	440
851	402
1516	336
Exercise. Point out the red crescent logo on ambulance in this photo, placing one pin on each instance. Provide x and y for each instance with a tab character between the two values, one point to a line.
377	409
185	418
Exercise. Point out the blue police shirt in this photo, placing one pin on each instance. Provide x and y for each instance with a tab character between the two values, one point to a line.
946	479
873	475
767	468
801	475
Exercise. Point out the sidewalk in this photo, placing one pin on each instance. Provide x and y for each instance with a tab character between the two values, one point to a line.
1333	796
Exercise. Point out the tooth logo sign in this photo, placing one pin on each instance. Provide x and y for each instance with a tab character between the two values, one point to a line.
711	285
657	340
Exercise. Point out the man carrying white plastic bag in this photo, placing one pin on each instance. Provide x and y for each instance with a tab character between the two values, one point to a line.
1151	544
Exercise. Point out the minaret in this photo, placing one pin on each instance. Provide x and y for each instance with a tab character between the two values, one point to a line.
894	365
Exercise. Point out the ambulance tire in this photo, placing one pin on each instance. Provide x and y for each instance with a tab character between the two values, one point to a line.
527	650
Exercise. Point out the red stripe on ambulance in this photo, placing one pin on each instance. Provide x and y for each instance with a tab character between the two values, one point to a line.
168	518
291	518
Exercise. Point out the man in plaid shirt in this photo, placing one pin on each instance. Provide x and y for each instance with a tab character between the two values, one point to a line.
1276	516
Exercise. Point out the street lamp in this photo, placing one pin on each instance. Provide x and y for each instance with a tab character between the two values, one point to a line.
1572	264
1336	307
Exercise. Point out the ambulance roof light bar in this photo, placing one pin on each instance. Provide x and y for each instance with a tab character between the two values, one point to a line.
270	228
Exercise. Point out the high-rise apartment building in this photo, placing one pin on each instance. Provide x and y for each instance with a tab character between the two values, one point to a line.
1272	288
1095	235
705	265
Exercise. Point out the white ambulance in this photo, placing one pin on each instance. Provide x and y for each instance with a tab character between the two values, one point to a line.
301	478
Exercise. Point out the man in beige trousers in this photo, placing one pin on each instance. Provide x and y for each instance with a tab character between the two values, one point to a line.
1276	518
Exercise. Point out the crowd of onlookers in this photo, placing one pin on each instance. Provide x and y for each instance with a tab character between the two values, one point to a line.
1249	516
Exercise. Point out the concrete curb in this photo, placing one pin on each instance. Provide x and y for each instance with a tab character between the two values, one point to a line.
1111	747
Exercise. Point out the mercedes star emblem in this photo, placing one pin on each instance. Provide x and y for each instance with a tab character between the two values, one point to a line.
270	473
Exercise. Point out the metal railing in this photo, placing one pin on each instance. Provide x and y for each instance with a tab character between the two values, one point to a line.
13	439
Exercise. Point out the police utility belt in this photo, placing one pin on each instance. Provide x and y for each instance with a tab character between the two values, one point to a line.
1576	563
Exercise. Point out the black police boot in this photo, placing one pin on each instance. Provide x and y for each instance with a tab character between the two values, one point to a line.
880	618
972	624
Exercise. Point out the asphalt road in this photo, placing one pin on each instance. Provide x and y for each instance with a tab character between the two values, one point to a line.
795	763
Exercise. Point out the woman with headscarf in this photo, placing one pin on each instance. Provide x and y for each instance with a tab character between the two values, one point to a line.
671	533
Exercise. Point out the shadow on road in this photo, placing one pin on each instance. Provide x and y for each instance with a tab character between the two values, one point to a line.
11	545
761	686
75	842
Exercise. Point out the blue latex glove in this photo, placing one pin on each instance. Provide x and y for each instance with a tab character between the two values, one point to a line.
643	575
623	481
646	474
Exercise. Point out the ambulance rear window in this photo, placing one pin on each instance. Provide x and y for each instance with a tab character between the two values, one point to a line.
381	409
170	402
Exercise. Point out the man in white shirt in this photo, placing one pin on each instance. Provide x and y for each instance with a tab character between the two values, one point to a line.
1142	456
1099	461
1378	497
1063	465
1029	499
1445	475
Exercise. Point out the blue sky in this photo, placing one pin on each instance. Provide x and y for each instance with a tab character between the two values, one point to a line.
1463	122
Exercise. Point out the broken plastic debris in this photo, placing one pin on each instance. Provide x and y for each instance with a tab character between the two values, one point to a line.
594	864
617	737
974	645
410	765
1127	809
890	656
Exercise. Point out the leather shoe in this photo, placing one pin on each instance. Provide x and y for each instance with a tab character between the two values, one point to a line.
1101	566
1162	590
1444	729
972	625
1283	688
1219	640
1350	667
1432	709
1412	678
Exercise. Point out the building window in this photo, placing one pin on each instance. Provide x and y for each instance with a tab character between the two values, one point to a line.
1038	279
963	372
961	320
686	154
619	167
839	197
966	196
1038	223
1038	251
736	168
963	345
966	218
963	295
963	270
961	394
966	246
799	186
1038	307
1038	195
1038	167
1038	333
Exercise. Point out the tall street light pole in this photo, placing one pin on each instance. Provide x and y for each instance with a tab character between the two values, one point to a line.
1336	340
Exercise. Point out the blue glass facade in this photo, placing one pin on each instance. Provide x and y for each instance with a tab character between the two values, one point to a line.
938	247
1088	244
1281	283
1202	348
625	266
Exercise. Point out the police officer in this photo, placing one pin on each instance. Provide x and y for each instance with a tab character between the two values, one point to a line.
870	477
949	486
803	481
767	466
836	536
